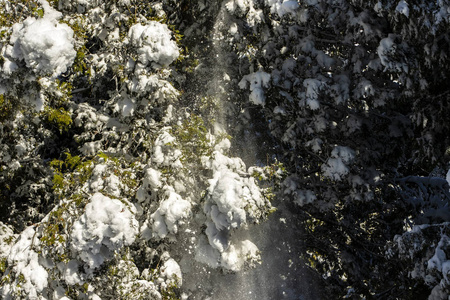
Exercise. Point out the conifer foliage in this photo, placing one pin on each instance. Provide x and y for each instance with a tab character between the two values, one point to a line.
124	127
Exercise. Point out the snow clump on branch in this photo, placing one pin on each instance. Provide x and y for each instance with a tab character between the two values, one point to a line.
106	226
45	45
154	43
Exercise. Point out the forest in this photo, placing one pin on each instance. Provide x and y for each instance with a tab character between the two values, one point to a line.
225	149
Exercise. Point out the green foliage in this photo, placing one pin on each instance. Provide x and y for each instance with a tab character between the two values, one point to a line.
79	171
2	266
210	107
79	64
6	108
170	292
273	173
60	118
193	138
54	227
58	94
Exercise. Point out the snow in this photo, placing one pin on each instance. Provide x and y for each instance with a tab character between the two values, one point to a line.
45	45
301	196
91	148
232	200
172	270
282	7
227	209
25	261
403	8
127	106
448	177
170	214
6	235
336	166
151	182
387	49
439	258
96	181
154	43
71	274
163	153
113	185
238	255
207	254
106	226
313	86
258	80
218	239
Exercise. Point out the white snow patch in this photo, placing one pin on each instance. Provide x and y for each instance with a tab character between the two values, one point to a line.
387	49
106	226
282	7
71	274
164	153
207	254
154	43
313	87
238	255
258	81
227	208
151	182
25	261
231	201
403	8
301	196
170	214
448	177
172	270
46	45
336	166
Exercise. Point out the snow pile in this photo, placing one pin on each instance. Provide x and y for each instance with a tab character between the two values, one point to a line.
254	16
151	182
313	87
240	254
105	226
447	177
301	196
154	43
25	261
163	152
170	214
440	262
45	45
172	271
403	8
258	81
96	181
232	201
226	207
71	274
7	237
282	7
387	50
433	267
336	166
